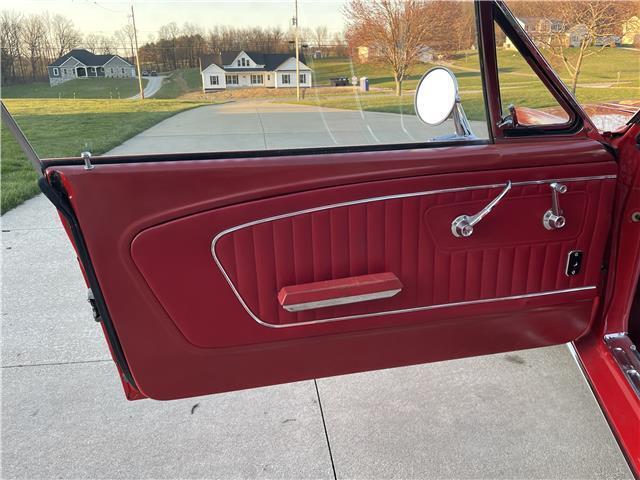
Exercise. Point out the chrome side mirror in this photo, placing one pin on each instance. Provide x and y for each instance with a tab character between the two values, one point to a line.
437	99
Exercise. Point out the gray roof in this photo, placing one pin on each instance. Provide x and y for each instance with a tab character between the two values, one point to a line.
85	56
271	61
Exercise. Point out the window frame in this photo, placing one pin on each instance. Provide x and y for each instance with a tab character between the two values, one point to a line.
288	77
56	72
490	14
214	80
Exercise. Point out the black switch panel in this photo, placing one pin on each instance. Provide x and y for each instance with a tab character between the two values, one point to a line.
574	263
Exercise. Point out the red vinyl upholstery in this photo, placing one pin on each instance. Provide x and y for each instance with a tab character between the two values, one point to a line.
184	332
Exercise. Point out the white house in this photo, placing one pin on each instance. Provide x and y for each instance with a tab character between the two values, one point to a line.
81	63
252	69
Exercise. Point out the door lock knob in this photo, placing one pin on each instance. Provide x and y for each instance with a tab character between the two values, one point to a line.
553	218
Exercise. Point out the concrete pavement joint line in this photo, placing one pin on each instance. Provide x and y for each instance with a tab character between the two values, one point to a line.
264	134
9	230
56	363
326	433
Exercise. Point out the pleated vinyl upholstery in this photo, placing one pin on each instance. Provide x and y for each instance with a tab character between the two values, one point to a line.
509	254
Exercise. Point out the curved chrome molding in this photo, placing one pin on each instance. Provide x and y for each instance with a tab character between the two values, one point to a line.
379	199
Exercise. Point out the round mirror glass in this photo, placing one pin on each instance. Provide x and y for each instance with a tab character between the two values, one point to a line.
436	96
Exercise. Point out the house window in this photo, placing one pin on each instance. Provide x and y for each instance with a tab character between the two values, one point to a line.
268	77
243	63
64	70
232	79
56	72
303	78
238	62
123	71
257	79
213	80
286	79
112	71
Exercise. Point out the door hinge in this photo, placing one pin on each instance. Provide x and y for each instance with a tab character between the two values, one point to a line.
92	301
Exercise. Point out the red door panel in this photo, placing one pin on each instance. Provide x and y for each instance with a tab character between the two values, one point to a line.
184	331
509	254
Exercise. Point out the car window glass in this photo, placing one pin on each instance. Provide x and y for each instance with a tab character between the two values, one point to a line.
594	46
521	88
340	73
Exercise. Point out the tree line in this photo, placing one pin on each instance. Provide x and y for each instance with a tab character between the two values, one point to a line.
397	33
181	47
31	42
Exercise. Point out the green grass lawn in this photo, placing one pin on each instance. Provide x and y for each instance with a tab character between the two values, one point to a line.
519	85
180	82
61	128
82	88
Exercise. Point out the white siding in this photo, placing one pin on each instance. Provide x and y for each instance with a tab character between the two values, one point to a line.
269	79
290	64
213	71
289	68
281	75
242	61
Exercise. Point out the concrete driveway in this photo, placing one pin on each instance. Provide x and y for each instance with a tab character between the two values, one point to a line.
256	125
526	414
152	87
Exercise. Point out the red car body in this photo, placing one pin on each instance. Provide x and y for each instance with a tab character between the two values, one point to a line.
192	258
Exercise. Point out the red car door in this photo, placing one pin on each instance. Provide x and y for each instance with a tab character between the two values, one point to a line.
227	271
223	271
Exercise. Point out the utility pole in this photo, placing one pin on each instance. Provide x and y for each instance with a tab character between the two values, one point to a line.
135	37
297	54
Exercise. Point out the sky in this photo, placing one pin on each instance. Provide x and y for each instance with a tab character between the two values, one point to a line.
105	16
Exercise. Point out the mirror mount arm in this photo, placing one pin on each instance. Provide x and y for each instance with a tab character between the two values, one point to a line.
511	120
460	120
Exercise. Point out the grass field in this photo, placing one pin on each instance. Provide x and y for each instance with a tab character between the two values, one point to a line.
611	75
82	88
66	127
60	128
180	83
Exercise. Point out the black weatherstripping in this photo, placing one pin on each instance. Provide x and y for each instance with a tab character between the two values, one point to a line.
54	191
195	156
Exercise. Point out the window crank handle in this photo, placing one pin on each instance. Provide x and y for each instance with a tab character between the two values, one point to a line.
553	219
462	226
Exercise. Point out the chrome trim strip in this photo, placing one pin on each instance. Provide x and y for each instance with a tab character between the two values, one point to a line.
378	199
332	302
626	356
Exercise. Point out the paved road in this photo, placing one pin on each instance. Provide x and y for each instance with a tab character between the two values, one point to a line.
152	87
255	125
526	414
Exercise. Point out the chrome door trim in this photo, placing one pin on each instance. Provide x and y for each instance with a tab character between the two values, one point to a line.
625	354
227	231
346	300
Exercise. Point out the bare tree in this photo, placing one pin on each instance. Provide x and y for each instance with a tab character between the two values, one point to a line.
10	39
64	34
580	28
91	42
34	35
170	32
125	37
321	37
396	29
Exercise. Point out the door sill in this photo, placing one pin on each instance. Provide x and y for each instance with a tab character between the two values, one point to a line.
627	357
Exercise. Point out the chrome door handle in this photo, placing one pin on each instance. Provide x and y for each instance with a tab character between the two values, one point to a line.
463	225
